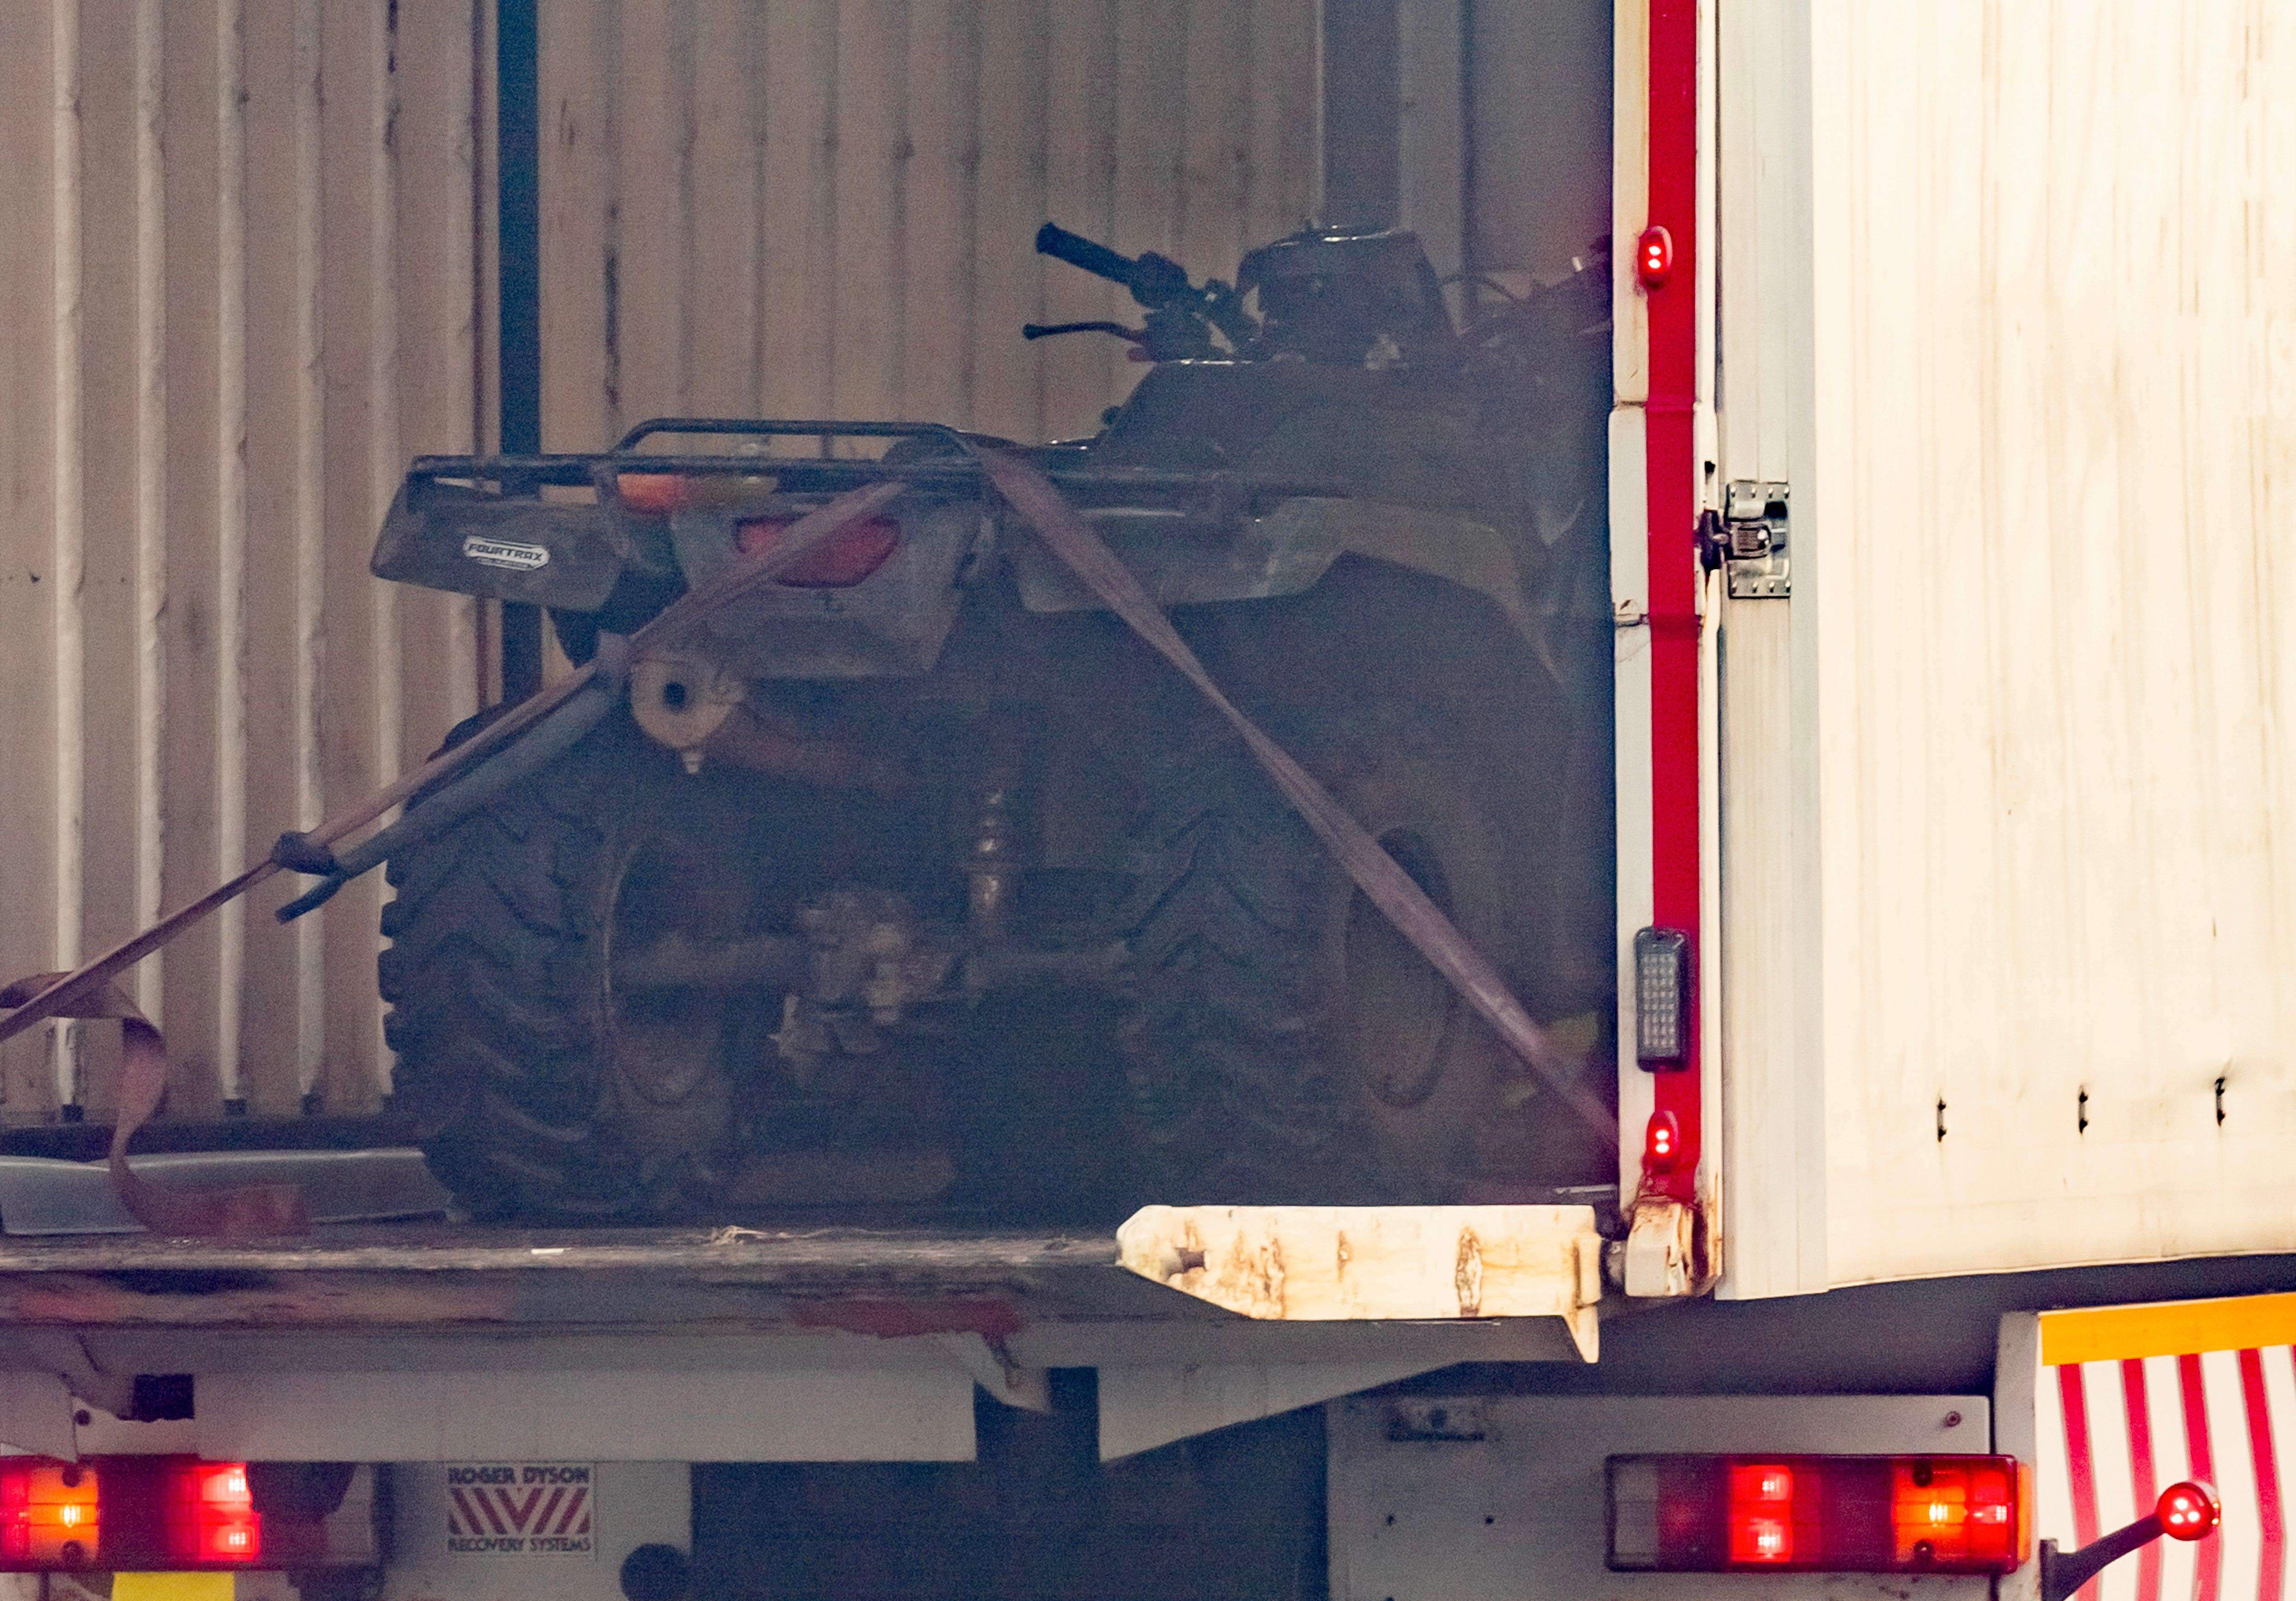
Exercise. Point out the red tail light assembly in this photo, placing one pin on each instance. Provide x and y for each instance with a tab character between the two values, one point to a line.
847	556
127	1514
1842	1515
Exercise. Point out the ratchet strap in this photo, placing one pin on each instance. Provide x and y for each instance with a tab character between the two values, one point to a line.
255	1210
1388	886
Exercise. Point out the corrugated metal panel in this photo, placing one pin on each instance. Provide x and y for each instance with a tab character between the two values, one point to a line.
826	208
2038	406
242	258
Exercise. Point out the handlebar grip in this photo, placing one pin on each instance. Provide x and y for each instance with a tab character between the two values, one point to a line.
1079	251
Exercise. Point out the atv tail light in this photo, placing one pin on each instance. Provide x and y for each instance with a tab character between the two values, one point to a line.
48	1514
847	556
1842	1515
2188	1510
1654	256
653	493
1662	999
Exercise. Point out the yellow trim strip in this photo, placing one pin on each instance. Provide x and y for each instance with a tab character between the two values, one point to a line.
2105	1334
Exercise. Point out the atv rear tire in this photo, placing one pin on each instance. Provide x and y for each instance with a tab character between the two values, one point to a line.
533	1094
1287	1044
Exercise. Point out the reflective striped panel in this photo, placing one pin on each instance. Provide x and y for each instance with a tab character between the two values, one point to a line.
2132	1400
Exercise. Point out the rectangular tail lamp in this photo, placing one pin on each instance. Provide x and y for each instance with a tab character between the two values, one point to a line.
1839	1515
159	1514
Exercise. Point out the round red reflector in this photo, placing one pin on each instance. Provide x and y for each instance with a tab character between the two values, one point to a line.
2188	1510
1655	255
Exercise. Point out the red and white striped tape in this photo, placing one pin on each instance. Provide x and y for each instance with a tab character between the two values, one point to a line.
2114	1434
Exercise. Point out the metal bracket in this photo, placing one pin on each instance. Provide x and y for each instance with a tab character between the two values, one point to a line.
1662	1249
1754	539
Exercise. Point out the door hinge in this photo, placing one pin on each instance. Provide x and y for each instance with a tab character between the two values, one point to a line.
1754	540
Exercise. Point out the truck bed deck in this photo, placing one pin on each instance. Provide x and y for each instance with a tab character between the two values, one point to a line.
438	1294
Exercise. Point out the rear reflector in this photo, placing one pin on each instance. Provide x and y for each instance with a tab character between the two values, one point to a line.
1662	1142
1842	1515
847	556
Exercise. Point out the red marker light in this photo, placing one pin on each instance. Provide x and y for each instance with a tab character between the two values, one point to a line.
1662	1142
2188	1510
1654	256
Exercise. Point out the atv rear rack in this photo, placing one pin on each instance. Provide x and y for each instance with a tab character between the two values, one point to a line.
826	473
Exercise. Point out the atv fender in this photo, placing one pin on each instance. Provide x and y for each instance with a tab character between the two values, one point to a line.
1285	552
474	541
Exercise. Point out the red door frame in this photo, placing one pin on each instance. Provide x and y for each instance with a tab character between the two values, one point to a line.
1671	485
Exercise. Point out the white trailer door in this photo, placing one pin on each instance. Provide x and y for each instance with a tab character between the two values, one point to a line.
2008	798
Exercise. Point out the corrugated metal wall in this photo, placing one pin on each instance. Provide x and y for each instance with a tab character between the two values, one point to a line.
827	208
248	265
241	254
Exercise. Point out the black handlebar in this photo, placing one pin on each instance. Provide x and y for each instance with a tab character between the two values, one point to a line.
1156	281
1077	251
1181	317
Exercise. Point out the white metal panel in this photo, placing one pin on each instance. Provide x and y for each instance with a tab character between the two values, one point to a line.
1143	1407
1631	685
36	1414
918	1413
1773	1102
1502	1496
2044	453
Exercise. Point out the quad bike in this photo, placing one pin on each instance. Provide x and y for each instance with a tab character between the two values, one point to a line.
916	876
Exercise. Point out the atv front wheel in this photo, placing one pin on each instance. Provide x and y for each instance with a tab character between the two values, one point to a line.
1288	1044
